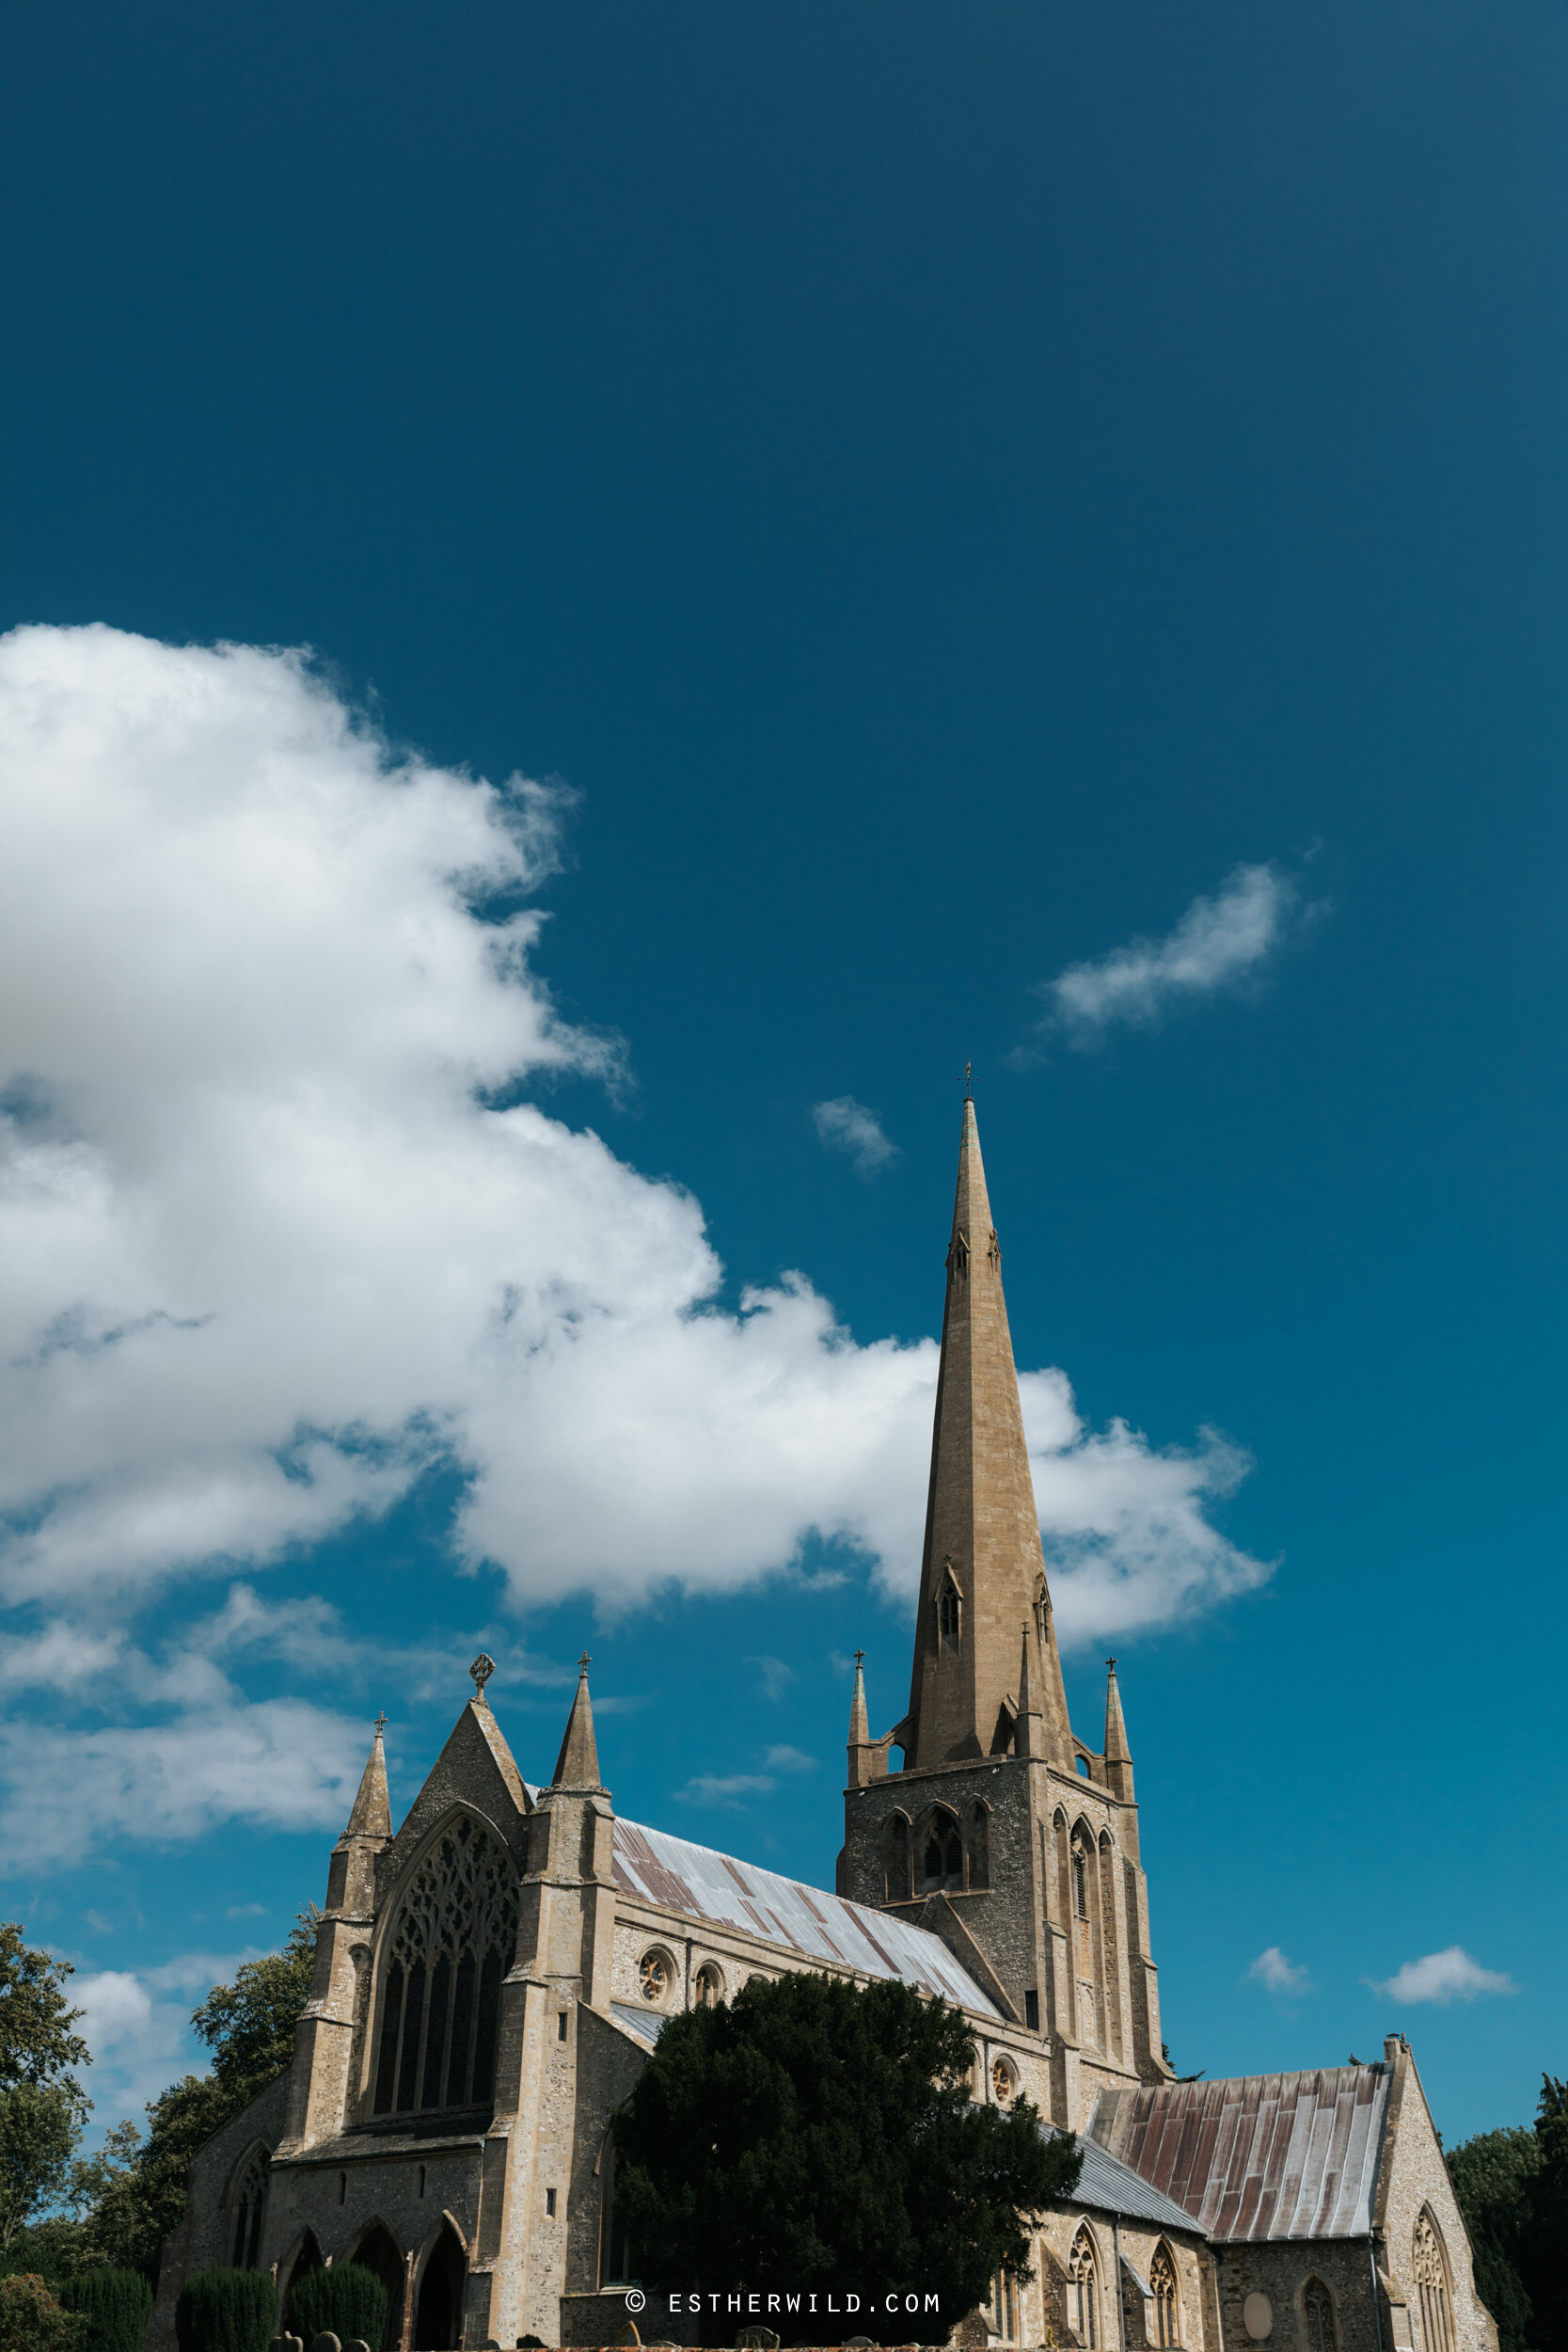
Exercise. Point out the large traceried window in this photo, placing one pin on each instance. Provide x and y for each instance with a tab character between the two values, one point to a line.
1161	2282
452	1943
1082	2291
942	1855
1432	2285
1317	2306
249	2198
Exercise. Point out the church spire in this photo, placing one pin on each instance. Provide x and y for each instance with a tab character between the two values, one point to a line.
1118	1755
577	1765
371	1815
983	1573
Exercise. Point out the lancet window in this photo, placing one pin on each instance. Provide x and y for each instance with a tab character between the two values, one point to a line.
452	1943
1082	2291
1079	1878
1162	2283
709	1986
1432	2285
249	2199
1317	2306
1004	2288
949	1609
942	1859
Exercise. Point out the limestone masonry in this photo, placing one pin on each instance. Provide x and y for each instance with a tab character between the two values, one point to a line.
491	1977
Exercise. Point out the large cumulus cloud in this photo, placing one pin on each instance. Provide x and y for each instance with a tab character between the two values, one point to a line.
277	1230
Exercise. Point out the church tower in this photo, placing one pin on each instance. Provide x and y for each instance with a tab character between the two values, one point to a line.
1007	1835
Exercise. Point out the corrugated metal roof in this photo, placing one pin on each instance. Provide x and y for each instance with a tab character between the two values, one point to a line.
1258	2156
646	2024
705	1885
1108	2185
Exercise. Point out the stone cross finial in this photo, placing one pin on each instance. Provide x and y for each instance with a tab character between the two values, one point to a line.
583	1664
482	1669
1112	1665
380	1723
860	1658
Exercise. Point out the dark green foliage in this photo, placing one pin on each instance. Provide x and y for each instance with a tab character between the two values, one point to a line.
227	2310
1546	2240
31	2320
116	2306
1494	2177
346	2301
812	2137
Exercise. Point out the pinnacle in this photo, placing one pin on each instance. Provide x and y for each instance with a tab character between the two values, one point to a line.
577	1765
371	1815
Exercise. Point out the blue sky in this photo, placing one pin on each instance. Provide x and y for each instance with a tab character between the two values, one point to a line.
1032	536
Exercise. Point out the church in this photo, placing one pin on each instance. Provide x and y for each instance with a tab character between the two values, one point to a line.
492	1975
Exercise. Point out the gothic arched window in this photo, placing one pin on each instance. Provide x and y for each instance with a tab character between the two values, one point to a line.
1432	2284
949	1608
1080	1879
980	1846
1004	2288
1161	2282
943	1857
249	2199
452	1942
1082	2291
898	1860
1317	2306
709	1987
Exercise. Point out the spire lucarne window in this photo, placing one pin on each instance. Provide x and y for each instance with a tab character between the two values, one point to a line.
450	1946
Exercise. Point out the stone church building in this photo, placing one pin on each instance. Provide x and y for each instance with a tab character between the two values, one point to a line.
492	1974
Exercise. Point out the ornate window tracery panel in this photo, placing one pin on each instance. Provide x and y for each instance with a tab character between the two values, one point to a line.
1004	2081
1083	2296
1432	2285
1162	2282
250	2199
1317	2306
453	1941
943	1856
709	1986
656	1973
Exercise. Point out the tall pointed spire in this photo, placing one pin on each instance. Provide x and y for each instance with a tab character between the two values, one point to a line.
860	1723
1118	1755
371	1815
577	1765
982	1572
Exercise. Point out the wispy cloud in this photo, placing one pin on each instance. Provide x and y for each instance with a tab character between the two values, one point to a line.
845	1125
776	1675
1279	1975
1218	942
1450	1975
787	1760
729	1790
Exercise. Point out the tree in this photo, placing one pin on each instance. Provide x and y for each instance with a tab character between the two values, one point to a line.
117	2306
31	2320
1547	2232
1494	2177
812	2137
347	2302
37	2044
39	2136
225	2310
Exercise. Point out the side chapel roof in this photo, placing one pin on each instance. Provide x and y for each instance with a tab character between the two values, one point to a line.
1257	2156
801	1920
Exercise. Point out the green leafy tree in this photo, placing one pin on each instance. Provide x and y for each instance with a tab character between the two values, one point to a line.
31	2320
1545	2246
811	2136
1494	2179
37	2044
39	2135
348	2301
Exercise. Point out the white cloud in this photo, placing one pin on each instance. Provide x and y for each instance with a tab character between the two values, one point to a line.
845	1125
246	1911
1271	1968
789	1759
1442	1977
726	1789
139	2046
1217	942
275	1235
776	1675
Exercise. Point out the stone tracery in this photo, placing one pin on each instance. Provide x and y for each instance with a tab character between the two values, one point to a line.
452	1942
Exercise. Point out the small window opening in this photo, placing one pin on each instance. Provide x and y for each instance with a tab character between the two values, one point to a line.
342	2189
422	2180
560	2025
1032	2012
1080	1882
947	1614
550	2202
